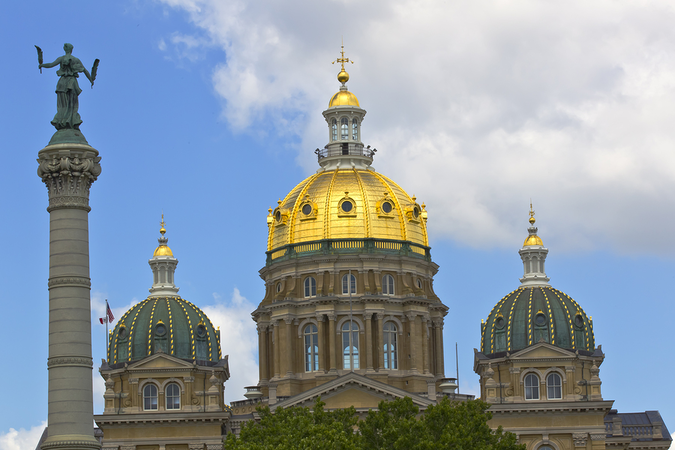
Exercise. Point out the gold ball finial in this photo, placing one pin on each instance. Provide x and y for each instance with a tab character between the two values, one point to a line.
532	219
343	77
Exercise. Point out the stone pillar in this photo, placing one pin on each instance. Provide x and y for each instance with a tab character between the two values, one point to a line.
369	342
276	343
331	343
380	342
322	344
69	170
425	344
412	342
262	348
440	367
289	345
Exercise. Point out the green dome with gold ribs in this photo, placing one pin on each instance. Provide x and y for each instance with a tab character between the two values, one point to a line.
168	325
530	315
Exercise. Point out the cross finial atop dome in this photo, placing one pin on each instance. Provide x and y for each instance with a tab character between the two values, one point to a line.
162	230
532	219
343	76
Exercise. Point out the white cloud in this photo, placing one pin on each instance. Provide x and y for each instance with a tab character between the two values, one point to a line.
22	439
238	339
476	107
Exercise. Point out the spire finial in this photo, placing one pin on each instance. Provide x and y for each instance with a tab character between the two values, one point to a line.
532	219
162	230
343	76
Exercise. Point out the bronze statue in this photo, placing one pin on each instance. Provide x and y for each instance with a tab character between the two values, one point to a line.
67	88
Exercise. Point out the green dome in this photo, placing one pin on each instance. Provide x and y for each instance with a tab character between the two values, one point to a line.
168	325
529	315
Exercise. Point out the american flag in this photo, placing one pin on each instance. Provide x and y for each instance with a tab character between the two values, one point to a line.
108	314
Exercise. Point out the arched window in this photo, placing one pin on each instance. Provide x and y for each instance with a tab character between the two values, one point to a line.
311	348
150	397
554	386
531	387
344	129
350	345
347	286
310	287
334	133
172	394
388	285
355	130
390	349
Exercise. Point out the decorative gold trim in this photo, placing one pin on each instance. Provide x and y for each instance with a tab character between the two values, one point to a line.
343	213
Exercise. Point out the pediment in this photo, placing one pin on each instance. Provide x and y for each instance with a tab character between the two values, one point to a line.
543	350
160	361
352	390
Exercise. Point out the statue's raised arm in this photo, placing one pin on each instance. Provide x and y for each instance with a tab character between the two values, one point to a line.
67	88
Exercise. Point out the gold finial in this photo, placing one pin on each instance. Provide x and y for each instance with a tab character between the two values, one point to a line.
532	219
343	76
162	230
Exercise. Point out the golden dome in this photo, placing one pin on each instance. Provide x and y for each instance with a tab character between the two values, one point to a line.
533	239
163	250
347	203
343	98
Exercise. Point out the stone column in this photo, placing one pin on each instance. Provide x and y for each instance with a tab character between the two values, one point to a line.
412	342
425	344
262	348
440	366
369	342
69	170
380	341
276	343
322	344
331	343
289	346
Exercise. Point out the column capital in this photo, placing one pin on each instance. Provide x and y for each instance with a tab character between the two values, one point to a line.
68	171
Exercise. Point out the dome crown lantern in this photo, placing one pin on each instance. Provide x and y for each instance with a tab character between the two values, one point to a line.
533	255
163	266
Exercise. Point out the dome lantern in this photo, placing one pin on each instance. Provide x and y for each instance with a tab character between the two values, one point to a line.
163	266
533	255
344	116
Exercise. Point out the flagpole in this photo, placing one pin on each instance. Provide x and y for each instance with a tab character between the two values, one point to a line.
106	328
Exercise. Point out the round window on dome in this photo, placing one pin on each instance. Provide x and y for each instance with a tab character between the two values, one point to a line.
499	323
160	329
201	331
540	319
307	209
579	320
122	333
347	206
416	212
386	207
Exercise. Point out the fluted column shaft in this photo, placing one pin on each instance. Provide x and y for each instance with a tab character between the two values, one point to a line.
69	170
369	342
322	344
262	348
440	366
331	343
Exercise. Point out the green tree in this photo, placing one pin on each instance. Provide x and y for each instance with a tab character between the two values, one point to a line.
395	425
446	425
298	428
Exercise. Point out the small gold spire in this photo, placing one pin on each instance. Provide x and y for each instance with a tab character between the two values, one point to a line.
532	219
162	230
343	76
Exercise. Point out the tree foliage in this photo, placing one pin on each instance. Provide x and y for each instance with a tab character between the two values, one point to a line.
395	425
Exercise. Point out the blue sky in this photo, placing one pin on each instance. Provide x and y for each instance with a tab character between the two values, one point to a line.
210	111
